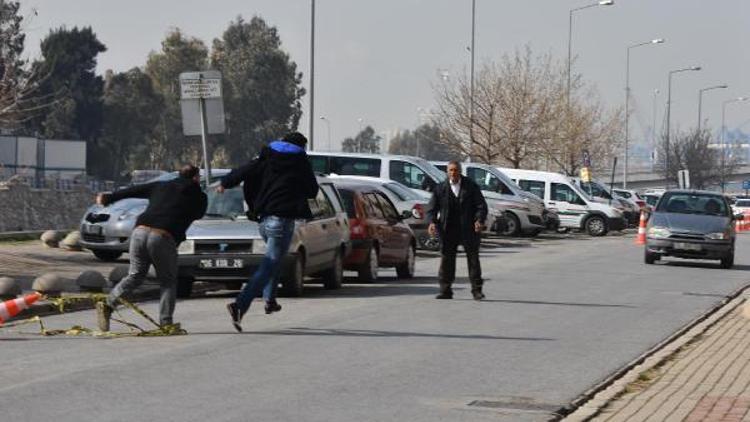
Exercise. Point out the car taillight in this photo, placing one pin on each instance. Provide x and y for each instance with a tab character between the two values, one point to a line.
418	211
358	229
641	204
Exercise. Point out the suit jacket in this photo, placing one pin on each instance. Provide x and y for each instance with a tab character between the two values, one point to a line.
473	208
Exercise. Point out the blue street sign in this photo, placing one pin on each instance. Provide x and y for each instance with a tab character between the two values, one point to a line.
746	184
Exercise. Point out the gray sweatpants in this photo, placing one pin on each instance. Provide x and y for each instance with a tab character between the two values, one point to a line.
146	248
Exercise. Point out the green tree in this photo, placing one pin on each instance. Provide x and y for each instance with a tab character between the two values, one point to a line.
365	141
423	142
179	53
262	87
131	115
68	63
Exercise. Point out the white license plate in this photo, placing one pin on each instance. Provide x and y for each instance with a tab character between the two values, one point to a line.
221	263
687	246
92	229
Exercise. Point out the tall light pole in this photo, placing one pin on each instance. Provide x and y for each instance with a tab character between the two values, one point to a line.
328	124
627	106
471	93
669	113
312	74
570	33
654	155
723	129
700	100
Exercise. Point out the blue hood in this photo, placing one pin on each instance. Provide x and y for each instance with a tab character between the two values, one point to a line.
286	147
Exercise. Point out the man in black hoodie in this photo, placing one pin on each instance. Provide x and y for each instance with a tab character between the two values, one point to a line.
277	186
173	205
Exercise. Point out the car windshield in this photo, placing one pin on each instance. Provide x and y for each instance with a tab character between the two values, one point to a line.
430	169
693	203
229	204
402	192
595	189
743	203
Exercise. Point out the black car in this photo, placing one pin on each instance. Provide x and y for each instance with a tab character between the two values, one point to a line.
692	225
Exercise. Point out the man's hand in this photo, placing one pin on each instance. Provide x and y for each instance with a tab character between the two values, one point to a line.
432	229
220	188
478	227
100	199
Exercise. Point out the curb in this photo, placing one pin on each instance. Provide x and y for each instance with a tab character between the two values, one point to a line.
23	235
591	402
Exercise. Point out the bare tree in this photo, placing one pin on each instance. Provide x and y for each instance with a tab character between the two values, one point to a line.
709	164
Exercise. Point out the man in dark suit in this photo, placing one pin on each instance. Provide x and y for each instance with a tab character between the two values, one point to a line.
457	212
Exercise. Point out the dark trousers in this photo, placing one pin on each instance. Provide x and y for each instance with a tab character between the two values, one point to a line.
447	274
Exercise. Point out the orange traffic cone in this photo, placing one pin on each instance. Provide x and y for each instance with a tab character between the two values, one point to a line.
641	238
739	225
11	308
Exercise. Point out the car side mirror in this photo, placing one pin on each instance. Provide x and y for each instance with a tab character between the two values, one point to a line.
406	215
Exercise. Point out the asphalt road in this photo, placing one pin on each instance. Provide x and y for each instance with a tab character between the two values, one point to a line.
561	315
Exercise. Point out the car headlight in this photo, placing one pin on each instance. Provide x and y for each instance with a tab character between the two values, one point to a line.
718	236
259	247
659	232
187	247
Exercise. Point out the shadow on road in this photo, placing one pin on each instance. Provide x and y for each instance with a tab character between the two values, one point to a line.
304	331
539	302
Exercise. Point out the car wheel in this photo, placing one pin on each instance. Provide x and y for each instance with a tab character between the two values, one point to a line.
406	269
649	257
333	278
512	225
185	287
596	226
728	261
107	256
368	272
294	282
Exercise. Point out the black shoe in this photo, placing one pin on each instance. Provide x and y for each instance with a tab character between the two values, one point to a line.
478	295
103	315
234	313
445	295
272	307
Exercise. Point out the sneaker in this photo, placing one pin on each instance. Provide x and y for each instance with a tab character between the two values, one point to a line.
103	315
478	295
234	313
272	307
445	295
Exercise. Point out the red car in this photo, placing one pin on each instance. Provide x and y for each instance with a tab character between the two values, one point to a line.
378	234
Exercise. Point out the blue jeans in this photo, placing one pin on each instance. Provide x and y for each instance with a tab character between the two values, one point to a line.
277	232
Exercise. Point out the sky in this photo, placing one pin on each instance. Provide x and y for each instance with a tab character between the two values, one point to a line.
376	61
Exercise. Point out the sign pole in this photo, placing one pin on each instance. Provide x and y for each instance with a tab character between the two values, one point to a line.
204	136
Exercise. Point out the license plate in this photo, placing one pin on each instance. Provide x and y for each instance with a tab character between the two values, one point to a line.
221	263
687	246
92	229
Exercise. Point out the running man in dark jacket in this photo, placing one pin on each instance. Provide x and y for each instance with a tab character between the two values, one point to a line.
277	186
173	205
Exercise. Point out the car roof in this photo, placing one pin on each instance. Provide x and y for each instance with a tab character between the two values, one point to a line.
355	186
364	179
363	155
695	192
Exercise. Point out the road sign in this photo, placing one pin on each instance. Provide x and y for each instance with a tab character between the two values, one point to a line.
586	158
746	184
585	175
193	89
683	179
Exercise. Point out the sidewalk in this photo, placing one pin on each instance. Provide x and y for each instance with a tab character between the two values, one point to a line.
707	379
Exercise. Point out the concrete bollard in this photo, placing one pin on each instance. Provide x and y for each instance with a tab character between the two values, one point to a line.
49	284
72	242
51	238
9	288
91	281
117	274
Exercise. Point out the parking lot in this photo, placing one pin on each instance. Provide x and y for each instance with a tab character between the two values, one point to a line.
563	312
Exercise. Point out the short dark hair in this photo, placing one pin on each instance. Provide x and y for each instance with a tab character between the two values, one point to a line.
455	163
188	171
296	138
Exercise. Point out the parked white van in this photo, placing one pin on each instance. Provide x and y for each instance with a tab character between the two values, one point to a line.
575	208
524	213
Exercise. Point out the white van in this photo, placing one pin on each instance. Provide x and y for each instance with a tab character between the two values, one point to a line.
575	208
414	172
525	213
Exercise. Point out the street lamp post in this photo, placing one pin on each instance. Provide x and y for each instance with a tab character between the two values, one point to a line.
653	130
723	129
627	106
700	100
471	93
570	33
328	124
669	113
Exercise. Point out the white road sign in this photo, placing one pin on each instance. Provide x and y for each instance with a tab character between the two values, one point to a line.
191	89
